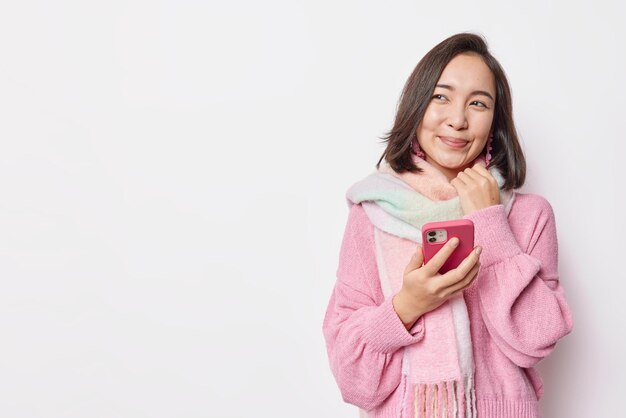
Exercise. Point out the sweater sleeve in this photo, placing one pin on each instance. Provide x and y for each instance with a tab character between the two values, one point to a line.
520	298
364	335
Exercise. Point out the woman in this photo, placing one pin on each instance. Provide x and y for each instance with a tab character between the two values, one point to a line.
404	340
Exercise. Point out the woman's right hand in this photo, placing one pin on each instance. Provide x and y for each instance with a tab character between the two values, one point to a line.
424	288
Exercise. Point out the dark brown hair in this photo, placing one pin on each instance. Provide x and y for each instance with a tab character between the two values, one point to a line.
507	153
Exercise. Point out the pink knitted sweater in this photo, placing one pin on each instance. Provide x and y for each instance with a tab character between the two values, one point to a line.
516	306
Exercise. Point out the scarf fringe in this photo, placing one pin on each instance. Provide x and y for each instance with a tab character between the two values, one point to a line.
450	399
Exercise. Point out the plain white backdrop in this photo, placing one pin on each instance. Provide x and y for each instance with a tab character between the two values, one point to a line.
172	179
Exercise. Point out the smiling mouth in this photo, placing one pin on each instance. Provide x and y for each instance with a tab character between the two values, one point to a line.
453	142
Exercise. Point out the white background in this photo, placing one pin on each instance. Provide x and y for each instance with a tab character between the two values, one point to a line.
172	179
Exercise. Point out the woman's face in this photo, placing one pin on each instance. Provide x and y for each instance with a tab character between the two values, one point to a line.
457	122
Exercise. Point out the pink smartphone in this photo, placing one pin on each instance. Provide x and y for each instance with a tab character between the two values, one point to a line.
436	234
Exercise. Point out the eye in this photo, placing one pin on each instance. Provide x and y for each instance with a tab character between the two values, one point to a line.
437	96
481	104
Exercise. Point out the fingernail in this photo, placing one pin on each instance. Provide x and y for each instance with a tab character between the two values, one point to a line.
478	250
454	242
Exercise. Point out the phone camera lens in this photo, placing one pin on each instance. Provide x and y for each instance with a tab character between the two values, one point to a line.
431	234
432	239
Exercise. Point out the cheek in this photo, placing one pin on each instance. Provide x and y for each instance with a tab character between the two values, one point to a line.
482	124
478	146
432	118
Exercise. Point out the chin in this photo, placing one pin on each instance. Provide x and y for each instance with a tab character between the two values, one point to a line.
452	163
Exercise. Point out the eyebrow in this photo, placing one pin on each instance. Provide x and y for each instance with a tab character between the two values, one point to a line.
480	92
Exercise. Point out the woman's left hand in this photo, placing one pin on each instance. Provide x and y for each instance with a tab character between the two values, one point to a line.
477	189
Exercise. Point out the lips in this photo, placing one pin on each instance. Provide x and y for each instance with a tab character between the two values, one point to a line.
453	142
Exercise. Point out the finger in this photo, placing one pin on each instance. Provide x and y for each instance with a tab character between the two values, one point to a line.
477	178
462	284
491	180
466	178
468	263
475	174
454	275
442	255
458	184
416	261
458	179
483	171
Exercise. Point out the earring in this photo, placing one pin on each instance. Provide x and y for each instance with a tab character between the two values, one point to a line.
415	148
488	149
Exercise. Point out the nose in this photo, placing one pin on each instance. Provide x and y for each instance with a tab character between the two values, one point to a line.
456	117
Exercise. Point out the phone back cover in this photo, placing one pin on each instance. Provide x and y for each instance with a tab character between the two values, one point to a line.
463	229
